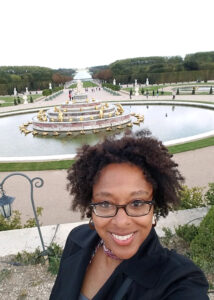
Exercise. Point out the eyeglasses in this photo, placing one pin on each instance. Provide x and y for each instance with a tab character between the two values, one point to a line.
135	208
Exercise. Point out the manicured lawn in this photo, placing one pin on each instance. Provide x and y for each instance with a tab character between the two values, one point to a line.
35	166
9	100
86	84
192	145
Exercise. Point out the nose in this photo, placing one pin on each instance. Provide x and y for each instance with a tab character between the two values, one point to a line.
121	217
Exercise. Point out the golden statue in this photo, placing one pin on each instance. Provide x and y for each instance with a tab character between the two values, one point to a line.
60	116
101	114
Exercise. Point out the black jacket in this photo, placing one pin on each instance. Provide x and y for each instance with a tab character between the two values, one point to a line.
157	273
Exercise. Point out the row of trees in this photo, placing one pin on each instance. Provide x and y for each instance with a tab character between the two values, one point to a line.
198	66
35	78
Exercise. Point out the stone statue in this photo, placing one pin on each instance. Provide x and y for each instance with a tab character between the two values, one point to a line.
50	86
79	87
147	81
136	90
26	91
25	99
135	82
114	81
15	92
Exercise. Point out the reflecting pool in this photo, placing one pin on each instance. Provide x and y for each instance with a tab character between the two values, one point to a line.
166	122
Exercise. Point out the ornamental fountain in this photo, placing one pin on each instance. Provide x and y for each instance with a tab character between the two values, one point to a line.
79	116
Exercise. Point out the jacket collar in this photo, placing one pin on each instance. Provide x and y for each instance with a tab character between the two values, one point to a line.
146	266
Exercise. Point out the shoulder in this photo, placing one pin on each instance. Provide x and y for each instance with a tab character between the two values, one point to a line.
181	274
180	262
81	237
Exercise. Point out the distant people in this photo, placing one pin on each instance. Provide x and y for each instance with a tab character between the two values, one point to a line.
157	94
147	94
130	93
173	95
153	93
70	95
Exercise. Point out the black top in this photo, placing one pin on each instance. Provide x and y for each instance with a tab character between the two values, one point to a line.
157	273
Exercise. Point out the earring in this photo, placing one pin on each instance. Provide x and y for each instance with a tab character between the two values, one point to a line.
154	221
91	224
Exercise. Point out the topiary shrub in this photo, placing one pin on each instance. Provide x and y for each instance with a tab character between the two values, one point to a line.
47	92
202	246
57	89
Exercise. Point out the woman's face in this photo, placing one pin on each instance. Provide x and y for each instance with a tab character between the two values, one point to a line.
121	183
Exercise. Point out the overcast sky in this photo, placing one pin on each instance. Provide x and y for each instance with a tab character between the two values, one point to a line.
83	33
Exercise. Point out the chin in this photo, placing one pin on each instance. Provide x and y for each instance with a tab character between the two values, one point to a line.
125	254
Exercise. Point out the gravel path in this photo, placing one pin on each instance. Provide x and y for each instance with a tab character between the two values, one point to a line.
24	282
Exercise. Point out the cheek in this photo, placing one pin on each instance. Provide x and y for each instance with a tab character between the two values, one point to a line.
100	223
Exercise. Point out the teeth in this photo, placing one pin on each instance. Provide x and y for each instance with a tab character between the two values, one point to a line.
122	237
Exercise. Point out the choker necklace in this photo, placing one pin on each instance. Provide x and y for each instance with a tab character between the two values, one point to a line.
109	253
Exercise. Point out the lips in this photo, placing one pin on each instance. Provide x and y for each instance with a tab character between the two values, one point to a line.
123	240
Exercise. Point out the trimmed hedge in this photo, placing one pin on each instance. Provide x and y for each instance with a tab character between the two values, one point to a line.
111	86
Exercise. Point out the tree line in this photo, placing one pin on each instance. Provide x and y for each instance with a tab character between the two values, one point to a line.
32	77
159	69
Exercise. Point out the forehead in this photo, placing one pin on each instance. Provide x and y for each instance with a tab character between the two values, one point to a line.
125	175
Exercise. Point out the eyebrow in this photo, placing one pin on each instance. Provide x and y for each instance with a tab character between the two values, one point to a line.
135	193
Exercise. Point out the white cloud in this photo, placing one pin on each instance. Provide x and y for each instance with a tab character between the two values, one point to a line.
83	33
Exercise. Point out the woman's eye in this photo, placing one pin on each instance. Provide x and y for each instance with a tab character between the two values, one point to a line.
137	203
105	204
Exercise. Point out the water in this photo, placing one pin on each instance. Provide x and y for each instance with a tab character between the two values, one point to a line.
82	74
165	121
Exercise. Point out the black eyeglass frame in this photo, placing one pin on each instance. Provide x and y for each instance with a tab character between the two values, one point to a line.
92	205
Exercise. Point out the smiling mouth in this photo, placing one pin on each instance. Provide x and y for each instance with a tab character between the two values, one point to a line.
122	237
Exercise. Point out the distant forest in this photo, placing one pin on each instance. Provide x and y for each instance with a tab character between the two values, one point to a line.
34	78
159	69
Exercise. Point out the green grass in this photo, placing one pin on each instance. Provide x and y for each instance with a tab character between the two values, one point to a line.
35	166
9	100
65	164
150	89
192	145
73	86
86	84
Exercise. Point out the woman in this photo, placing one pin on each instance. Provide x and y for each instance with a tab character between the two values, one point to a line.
124	186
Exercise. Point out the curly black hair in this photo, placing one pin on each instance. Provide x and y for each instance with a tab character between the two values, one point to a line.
140	149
